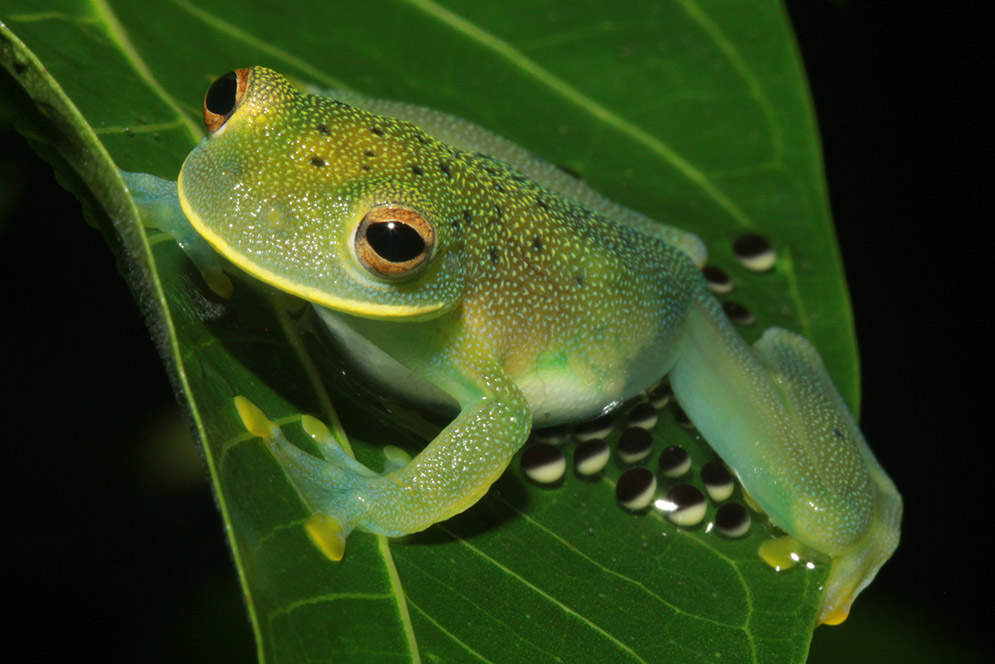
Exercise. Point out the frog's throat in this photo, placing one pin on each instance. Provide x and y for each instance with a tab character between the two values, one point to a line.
309	293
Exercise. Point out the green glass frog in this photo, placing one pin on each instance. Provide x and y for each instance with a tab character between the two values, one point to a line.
458	266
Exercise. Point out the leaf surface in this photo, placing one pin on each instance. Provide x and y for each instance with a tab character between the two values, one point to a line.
696	115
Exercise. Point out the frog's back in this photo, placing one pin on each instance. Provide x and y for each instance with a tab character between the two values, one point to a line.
473	138
581	308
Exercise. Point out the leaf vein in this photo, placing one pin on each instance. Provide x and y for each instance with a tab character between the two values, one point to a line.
243	36
139	129
330	597
383	543
542	593
732	54
449	634
581	100
120	35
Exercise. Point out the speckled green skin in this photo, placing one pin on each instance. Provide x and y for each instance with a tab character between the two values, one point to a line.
542	302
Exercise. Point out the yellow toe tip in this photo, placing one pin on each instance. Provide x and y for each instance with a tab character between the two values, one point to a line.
253	419
835	617
326	533
780	553
315	428
219	282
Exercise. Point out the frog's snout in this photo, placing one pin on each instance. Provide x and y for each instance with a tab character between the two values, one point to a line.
223	97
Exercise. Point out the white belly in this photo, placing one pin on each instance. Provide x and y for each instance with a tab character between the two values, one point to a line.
555	394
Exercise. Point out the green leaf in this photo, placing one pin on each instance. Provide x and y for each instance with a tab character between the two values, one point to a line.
697	115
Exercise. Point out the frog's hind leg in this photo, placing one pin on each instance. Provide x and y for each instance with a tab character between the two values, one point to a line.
867	532
854	571
772	413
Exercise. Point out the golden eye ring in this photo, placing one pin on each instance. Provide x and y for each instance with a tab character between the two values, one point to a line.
223	97
394	242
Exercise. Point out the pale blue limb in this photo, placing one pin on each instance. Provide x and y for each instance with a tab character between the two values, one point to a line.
159	206
452	473
773	415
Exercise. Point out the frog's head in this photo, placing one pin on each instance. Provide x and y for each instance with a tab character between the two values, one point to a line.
341	207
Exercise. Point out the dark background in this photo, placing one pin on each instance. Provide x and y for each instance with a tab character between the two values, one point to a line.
118	547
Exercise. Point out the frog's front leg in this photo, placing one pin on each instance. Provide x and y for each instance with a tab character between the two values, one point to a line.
159	206
452	473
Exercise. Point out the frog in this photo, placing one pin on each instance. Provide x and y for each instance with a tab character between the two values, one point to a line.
471	274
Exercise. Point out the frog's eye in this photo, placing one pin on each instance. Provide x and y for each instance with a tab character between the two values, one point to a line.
223	97
394	242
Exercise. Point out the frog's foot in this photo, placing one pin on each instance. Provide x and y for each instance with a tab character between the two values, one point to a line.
159	206
452	473
850	572
327	484
854	570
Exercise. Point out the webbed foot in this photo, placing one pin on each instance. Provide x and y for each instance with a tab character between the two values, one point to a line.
326	483
452	473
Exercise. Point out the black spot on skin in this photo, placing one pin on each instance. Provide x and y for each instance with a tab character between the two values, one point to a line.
377	130
499	188
467	217
579	279
537	243
837	433
422	138
317	161
366	167
493	253
540	202
498	212
518	177
322	129
444	167
490	171
370	153
418	170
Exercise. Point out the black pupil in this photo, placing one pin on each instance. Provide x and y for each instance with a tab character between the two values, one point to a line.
394	241
220	97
